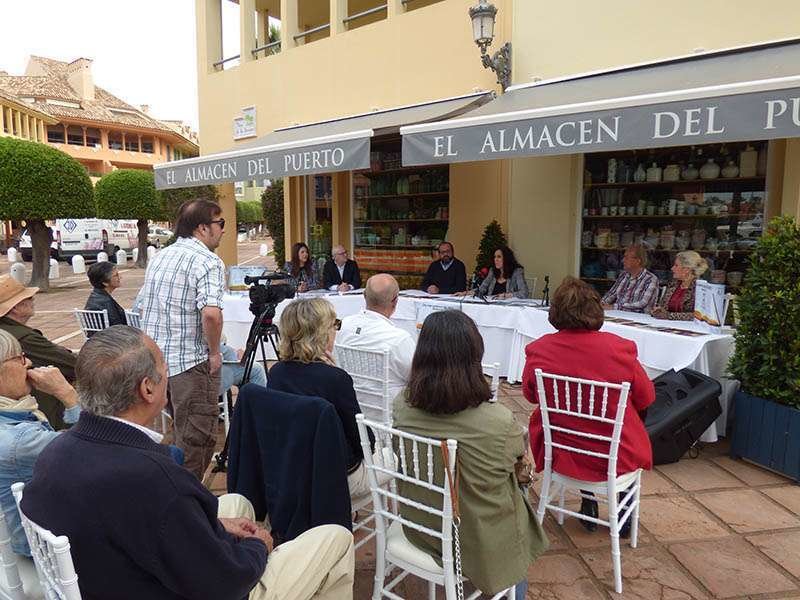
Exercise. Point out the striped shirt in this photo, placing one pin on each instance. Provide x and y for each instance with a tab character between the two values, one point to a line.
635	294
179	282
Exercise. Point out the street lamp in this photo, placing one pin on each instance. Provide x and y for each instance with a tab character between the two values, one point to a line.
483	17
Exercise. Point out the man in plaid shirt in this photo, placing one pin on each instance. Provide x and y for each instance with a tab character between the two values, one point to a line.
181	309
636	289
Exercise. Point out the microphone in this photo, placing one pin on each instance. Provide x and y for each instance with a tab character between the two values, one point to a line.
546	291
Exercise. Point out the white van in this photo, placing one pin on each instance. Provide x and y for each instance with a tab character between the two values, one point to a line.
87	237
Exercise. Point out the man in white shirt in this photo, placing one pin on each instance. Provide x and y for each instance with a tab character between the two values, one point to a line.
340	273
371	329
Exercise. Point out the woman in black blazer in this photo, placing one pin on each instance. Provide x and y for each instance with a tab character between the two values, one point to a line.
105	278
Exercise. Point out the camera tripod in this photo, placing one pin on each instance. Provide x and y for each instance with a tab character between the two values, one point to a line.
262	329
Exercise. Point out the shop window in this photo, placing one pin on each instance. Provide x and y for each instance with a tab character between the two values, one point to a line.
147	145
114	140
132	143
55	134
92	137
75	135
319	216
364	12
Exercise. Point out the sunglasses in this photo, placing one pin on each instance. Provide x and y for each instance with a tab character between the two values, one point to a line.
337	324
220	222
20	357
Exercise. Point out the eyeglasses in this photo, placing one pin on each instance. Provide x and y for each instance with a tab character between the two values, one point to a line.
337	324
220	222
20	357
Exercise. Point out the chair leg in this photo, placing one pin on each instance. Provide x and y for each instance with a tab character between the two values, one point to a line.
380	566
561	494
431	591
543	494
635	513
616	558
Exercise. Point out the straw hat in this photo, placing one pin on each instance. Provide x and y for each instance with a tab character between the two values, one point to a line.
12	293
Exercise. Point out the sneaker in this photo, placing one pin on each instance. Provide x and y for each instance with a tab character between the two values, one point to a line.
589	508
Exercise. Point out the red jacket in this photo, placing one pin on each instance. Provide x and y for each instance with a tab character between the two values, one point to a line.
602	357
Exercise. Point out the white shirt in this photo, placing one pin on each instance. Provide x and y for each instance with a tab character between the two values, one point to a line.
153	435
369	330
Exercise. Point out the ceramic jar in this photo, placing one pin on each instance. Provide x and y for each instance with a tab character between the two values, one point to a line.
718	276
654	173
672	172
640	174
698	239
690	172
748	162
730	170
710	170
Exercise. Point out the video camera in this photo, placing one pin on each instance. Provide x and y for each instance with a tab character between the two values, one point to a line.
266	295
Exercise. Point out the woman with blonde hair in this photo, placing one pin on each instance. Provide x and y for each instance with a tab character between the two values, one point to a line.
677	302
306	367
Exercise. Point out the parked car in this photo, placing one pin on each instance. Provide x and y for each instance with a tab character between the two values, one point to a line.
158	236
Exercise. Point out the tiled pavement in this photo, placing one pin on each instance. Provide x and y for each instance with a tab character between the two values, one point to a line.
711	527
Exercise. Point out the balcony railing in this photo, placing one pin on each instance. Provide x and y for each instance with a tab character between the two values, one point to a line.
266	47
221	63
365	13
313	30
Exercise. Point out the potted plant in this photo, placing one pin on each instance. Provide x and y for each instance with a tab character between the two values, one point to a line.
767	356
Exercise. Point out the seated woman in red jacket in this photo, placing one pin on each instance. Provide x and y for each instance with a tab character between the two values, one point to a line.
580	350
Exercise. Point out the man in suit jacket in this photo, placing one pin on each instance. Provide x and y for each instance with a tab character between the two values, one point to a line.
447	275
341	273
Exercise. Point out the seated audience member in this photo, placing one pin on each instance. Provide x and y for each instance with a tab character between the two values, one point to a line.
307	368
24	430
677	303
506	278
579	349
302	268
233	371
340	273
446	275
371	329
16	309
105	278
153	530
636	288
448	397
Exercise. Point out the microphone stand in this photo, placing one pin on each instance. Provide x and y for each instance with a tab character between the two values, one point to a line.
546	291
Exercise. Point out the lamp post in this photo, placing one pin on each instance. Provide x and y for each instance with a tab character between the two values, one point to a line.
483	17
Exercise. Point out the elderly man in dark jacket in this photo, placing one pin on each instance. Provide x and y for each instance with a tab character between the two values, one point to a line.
105	278
16	309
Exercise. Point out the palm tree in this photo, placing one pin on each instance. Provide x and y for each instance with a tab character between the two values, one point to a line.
274	36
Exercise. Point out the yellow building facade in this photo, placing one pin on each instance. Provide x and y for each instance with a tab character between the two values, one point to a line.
344	57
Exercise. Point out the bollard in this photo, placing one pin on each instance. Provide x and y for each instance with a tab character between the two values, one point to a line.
102	257
18	272
135	253
12	255
122	258
263	250
151	252
55	271
78	264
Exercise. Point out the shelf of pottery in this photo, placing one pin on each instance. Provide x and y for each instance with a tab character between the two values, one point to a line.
706	198
399	216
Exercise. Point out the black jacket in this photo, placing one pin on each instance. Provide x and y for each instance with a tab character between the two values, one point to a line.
330	274
453	280
102	300
287	456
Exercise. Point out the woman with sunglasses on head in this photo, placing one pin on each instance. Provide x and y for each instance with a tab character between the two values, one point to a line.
306	367
24	430
302	268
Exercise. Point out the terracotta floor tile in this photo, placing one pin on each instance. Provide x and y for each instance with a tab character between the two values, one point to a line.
749	473
747	510
788	495
731	568
647	573
698	474
654	482
783	548
561	577
675	518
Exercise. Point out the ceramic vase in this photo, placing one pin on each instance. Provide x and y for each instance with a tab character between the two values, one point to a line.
640	174
710	170
672	173
730	170
690	172
654	173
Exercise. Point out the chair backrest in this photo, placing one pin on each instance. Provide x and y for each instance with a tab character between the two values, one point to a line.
91	320
133	319
415	466
51	555
370	372
493	371
8	561
587	401
531	283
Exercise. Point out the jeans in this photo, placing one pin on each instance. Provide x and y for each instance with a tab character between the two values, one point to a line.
233	374
521	589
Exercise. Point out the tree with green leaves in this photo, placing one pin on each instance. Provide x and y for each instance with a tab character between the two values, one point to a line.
38	182
172	199
493	238
767	355
129	194
272	206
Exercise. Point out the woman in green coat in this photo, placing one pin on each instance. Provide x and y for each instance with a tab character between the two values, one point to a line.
448	397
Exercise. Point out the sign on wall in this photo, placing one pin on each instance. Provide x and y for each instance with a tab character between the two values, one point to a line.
245	125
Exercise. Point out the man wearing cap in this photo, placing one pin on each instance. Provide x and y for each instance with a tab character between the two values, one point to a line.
16	309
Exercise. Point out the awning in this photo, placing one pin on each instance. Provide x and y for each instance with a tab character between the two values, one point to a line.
749	93
324	147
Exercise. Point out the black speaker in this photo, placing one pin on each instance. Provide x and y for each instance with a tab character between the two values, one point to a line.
687	403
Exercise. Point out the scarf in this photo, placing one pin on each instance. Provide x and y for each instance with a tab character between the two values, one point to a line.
25	404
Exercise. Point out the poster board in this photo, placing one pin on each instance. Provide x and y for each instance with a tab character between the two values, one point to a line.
709	304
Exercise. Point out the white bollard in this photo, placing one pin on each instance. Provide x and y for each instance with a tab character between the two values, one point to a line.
122	258
102	257
18	272
151	252
263	250
241	237
135	253
78	264
55	270
12	255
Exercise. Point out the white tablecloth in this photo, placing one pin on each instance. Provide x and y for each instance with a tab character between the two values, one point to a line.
506	330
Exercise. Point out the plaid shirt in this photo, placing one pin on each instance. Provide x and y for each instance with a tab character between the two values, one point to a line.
636	294
179	282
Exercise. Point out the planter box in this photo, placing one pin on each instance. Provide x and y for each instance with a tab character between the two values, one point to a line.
767	434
